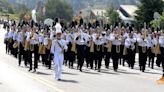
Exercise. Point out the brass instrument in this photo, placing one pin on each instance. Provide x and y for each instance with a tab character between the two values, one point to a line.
137	50
125	51
49	44
153	49
10	40
27	45
15	45
24	39
109	46
98	47
157	49
92	46
73	48
31	47
118	48
42	49
144	49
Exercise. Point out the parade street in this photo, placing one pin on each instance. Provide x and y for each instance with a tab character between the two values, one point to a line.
14	78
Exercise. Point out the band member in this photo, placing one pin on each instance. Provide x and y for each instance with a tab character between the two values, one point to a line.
161	43
28	53
115	49
130	49
15	44
108	49
150	50
142	52
41	50
71	47
10	40
98	50
80	43
34	48
58	47
21	42
6	42
48	43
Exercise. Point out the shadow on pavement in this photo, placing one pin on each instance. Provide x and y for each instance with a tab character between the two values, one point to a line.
68	81
128	73
106	72
91	73
153	73
41	73
69	73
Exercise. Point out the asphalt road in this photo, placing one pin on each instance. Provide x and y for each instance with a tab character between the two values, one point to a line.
17	79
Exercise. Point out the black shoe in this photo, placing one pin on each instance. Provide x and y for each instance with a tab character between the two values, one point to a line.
59	79
98	70
80	70
29	70
115	70
34	70
143	70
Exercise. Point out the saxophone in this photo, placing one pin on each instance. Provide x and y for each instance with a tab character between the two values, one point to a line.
157	49
15	45
42	49
118	48
144	48
73	48
109	46
92	46
49	43
32	45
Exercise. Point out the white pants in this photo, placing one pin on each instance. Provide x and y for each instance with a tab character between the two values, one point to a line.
58	60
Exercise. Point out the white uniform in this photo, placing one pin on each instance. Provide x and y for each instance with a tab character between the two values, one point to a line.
57	48
58	56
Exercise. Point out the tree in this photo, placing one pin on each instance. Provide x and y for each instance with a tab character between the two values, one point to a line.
147	8
113	16
156	23
58	8
21	10
162	20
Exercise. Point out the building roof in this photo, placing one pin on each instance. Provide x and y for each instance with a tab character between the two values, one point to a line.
124	17
98	12
130	9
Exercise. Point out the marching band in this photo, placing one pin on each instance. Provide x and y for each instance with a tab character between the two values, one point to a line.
84	44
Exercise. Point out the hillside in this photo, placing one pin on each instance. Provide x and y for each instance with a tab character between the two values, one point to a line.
78	4
6	7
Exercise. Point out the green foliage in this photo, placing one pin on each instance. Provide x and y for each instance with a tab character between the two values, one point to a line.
113	16
162	20
155	23
6	7
147	8
58	8
158	22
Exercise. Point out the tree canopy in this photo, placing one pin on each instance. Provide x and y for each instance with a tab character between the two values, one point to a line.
147	8
59	8
113	16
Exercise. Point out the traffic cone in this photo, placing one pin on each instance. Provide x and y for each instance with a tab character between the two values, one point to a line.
161	80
